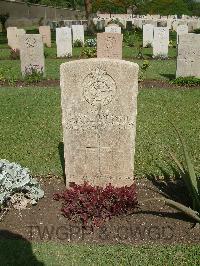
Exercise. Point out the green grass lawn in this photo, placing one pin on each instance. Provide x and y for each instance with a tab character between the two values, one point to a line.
128	52
31	128
23	253
158	70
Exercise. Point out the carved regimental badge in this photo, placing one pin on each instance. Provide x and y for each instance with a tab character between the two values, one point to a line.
99	88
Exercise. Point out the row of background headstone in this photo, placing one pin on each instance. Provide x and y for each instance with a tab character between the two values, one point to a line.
109	45
13	35
170	23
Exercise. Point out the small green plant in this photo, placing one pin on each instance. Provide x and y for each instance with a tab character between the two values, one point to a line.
186	81
89	52
14	54
172	44
33	74
149	45
117	22
46	53
17	186
140	52
78	43
91	43
144	67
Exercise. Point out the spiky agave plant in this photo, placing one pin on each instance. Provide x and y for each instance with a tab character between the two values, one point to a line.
191	180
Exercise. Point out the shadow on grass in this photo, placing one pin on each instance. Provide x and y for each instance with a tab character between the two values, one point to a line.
62	159
16	250
149	55
168	76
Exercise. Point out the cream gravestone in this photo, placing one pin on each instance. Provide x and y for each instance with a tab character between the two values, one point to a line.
109	45
78	33
64	42
181	29
99	107
31	53
12	37
188	60
19	33
147	35
113	29
45	31
161	42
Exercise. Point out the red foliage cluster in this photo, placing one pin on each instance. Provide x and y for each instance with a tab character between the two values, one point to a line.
93	205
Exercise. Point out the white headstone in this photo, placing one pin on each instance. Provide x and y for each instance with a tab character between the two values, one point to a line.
188	60
78	33
181	29
19	33
12	37
148	35
161	42
113	29
64	42
32	54
99	107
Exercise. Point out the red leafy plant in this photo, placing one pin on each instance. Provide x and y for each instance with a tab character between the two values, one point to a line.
94	205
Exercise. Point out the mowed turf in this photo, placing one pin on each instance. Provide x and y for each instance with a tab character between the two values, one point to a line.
31	131
158	69
23	253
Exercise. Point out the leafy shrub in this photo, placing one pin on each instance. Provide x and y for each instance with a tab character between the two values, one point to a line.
78	43
117	22
186	81
88	52
140	52
144	68
3	19
129	39
16	181
91	43
14	54
41	21
145	65
94	205
33	74
197	31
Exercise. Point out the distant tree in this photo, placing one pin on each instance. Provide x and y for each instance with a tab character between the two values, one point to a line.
109	6
3	19
194	7
167	7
